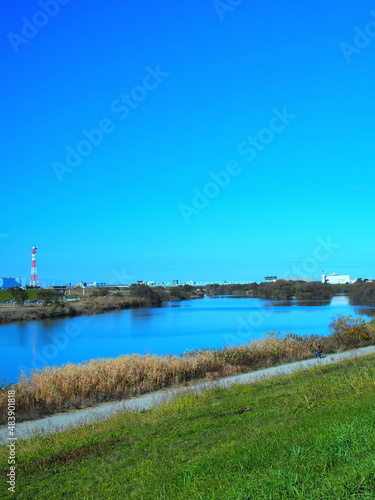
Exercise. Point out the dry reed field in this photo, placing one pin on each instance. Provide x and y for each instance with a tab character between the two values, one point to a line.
55	389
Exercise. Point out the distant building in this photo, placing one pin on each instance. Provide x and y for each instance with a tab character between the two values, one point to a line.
336	279
6	283
85	284
174	282
270	278
191	283
308	279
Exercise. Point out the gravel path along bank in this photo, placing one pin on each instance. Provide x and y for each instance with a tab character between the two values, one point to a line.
62	421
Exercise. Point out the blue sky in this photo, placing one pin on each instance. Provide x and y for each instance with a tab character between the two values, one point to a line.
156	99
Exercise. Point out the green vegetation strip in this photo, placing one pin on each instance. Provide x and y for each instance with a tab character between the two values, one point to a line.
306	436
32	294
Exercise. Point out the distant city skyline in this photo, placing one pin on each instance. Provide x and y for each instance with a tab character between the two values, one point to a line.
187	140
121	277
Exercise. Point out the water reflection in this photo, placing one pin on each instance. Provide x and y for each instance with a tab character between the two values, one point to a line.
300	303
365	311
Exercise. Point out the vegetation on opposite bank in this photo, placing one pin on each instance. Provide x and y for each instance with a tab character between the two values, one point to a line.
307	436
98	300
62	308
360	293
71	386
278	290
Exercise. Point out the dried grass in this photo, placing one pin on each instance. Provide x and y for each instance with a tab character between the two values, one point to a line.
78	385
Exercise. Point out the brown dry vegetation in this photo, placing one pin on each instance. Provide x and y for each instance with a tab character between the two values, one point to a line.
68	309
75	386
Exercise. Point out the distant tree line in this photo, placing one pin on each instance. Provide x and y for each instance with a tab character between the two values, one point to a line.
232	289
278	290
362	293
161	294
184	292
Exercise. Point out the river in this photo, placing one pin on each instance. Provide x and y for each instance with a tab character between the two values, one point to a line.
174	328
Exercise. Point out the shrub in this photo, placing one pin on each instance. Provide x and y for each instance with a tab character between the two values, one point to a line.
371	328
349	330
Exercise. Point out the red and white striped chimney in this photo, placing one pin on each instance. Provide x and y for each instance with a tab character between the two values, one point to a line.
34	271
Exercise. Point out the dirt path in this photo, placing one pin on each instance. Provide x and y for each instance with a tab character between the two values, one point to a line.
62	421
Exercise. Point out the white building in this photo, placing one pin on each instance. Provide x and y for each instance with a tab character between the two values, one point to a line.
335	279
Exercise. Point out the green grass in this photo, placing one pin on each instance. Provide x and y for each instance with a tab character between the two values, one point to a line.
32	295
306	436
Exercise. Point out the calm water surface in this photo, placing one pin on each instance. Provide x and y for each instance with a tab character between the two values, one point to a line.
171	329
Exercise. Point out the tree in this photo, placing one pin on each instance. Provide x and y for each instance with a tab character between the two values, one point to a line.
18	294
144	291
183	292
363	294
349	330
48	296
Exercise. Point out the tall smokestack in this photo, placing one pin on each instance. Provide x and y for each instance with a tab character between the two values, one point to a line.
34	271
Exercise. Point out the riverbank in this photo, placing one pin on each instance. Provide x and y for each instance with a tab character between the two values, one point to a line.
75	386
67	309
99	301
306	435
72	419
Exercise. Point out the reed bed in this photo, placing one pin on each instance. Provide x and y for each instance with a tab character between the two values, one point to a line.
55	389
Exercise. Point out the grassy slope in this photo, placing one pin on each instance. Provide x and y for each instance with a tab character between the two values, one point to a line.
306	436
5	295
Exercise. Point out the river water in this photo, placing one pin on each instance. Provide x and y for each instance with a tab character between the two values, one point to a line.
174	328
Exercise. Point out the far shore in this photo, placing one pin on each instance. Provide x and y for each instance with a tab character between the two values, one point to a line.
78	301
103	301
65	309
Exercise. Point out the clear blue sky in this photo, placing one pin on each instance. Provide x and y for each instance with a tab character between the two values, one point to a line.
204	80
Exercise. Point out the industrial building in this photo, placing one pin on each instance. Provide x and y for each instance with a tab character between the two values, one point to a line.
336	279
85	284
6	283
